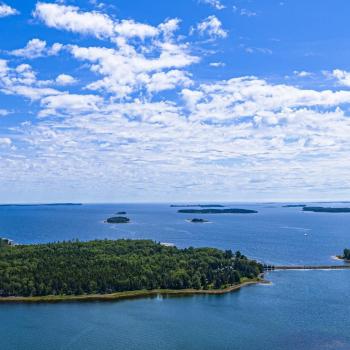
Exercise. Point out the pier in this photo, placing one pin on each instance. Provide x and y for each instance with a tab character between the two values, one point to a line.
307	267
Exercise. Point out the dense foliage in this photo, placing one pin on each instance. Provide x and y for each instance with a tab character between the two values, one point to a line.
347	254
105	266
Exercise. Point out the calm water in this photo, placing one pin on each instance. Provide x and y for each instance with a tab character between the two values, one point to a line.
300	310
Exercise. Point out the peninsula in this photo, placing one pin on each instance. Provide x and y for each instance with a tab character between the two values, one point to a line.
326	210
217	211
114	269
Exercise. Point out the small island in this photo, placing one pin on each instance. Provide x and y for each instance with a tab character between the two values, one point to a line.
115	269
196	220
345	256
118	220
121	213
326	209
217	211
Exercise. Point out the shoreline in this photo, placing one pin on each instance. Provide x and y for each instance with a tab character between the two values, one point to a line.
130	294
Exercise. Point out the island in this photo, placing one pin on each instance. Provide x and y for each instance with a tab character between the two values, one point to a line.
196	220
217	211
121	213
197	205
115	269
326	210
345	256
118	220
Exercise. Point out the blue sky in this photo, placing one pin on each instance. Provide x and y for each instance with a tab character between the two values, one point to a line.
190	101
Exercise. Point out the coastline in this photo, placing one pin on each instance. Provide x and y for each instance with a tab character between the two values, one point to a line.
130	294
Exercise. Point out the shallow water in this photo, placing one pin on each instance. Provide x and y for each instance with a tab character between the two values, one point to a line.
299	310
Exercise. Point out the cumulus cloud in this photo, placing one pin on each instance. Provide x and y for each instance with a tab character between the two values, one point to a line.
93	23
342	76
6	10
37	48
212	27
118	120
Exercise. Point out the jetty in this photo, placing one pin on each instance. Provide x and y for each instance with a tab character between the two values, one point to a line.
307	267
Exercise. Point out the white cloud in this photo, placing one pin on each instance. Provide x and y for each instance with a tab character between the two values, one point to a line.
302	74
168	80
93	23
217	64
4	112
342	76
65	79
211	26
5	141
244	12
37	48
6	10
217	4
70	18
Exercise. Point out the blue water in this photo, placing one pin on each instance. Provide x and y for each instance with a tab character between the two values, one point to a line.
299	310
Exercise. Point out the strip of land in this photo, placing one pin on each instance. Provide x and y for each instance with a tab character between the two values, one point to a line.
130	294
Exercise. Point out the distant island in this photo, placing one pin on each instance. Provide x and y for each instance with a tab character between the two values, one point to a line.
121	212
39	205
196	220
197	205
217	211
118	220
326	209
294	206
114	269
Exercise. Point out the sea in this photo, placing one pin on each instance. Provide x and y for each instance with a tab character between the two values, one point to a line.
297	310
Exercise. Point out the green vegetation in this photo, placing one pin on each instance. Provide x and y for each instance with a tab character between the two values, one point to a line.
118	220
217	211
105	267
326	210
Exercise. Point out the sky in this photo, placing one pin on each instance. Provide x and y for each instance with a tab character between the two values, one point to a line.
162	101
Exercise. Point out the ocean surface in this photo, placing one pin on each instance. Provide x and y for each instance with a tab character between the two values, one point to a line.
299	310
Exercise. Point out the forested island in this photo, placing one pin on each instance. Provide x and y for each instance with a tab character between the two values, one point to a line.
198	221
59	271
326	210
217	211
118	220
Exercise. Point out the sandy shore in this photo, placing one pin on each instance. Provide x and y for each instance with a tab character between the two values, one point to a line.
128	295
